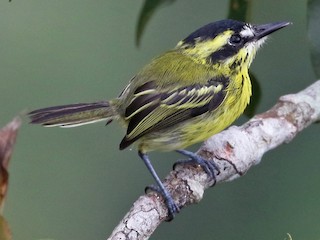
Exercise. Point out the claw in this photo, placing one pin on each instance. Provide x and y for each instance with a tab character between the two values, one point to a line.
171	205
208	166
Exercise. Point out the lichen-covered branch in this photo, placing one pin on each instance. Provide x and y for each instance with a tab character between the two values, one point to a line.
234	150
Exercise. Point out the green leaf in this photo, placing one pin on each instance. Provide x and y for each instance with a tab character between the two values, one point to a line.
147	11
255	98
314	34
239	10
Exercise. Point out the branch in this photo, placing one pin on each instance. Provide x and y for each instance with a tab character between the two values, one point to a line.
234	150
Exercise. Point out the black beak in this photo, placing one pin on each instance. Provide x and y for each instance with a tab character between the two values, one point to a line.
261	31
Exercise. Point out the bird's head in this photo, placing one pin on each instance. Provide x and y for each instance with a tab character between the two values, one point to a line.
227	42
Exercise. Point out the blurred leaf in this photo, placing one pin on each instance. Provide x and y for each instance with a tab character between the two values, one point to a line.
7	140
148	9
8	136
240	10
289	237
314	34
255	98
5	233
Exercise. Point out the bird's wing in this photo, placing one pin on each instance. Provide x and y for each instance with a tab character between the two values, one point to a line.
153	110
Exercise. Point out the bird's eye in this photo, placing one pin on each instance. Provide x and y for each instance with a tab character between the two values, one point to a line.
235	39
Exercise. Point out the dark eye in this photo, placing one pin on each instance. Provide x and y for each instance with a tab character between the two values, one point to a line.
235	39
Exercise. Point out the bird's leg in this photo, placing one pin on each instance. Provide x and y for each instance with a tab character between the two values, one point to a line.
172	207
208	166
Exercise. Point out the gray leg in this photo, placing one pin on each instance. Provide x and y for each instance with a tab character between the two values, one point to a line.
172	207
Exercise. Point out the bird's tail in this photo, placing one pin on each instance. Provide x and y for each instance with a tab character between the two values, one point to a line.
74	115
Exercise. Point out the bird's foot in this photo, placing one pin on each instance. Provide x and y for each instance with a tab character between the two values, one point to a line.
208	166
171	205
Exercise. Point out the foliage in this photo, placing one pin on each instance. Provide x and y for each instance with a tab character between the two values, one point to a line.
314	34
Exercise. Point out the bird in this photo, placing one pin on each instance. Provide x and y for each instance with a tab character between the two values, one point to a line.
181	97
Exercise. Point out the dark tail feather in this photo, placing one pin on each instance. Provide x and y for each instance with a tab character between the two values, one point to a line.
73	115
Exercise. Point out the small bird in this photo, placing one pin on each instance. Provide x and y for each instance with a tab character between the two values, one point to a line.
180	98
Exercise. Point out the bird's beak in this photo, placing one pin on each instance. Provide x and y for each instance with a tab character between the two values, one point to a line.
261	31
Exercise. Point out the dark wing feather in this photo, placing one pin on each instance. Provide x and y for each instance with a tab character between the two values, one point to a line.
151	110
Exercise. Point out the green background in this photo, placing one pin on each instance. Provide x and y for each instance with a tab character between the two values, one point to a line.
75	183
